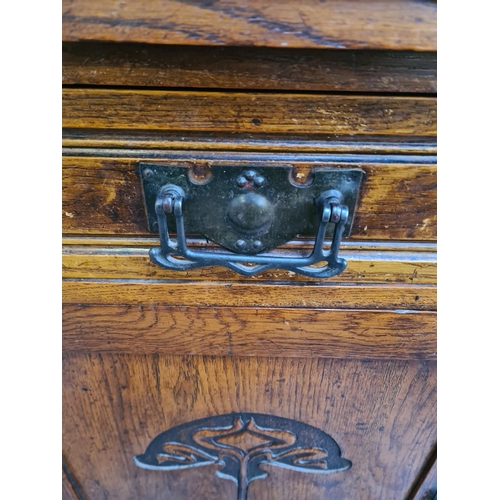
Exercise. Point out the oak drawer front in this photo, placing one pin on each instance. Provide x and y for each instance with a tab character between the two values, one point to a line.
102	190
368	407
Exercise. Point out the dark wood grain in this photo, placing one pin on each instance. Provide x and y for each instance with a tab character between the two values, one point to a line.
210	141
102	195
248	68
248	112
241	331
115	404
364	266
337	24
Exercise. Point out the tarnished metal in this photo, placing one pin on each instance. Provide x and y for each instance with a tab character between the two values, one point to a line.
250	212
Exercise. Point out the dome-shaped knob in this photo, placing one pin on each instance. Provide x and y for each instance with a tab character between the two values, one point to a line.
250	212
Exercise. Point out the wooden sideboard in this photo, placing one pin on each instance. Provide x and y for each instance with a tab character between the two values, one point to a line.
204	383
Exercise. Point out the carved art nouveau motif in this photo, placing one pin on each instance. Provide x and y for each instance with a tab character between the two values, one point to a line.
239	443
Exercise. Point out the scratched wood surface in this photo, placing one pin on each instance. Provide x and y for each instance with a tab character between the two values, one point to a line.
102	195
116	404
337	24
249	331
248	68
248	112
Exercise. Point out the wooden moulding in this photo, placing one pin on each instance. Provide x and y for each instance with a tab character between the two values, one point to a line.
247	331
102	195
140	65
247	112
84	262
347	245
261	294
370	407
217	141
337	24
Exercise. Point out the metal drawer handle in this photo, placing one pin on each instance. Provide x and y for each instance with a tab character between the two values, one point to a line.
250	223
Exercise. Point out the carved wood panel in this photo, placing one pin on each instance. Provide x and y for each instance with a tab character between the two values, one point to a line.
381	413
239	444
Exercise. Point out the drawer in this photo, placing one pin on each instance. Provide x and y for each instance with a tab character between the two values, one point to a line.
102	189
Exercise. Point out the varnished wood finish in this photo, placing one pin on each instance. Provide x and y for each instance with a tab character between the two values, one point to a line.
134	263
258	294
146	349
210	141
337	24
115	404
248	68
102	195
248	112
241	331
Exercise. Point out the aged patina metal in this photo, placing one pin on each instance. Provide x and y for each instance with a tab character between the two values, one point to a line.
249	211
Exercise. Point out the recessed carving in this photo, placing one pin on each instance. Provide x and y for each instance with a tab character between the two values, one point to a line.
239	443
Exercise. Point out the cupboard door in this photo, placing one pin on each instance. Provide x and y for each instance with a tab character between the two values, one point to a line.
381	413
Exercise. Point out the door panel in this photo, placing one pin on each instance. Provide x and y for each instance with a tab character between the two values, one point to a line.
115	404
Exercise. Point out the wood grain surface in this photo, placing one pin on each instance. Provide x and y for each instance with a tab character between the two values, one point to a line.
102	195
337	24
249	331
258	294
248	68
248	112
134	263
382	414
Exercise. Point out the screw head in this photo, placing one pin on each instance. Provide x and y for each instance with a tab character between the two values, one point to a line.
258	181
240	244
257	245
147	172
